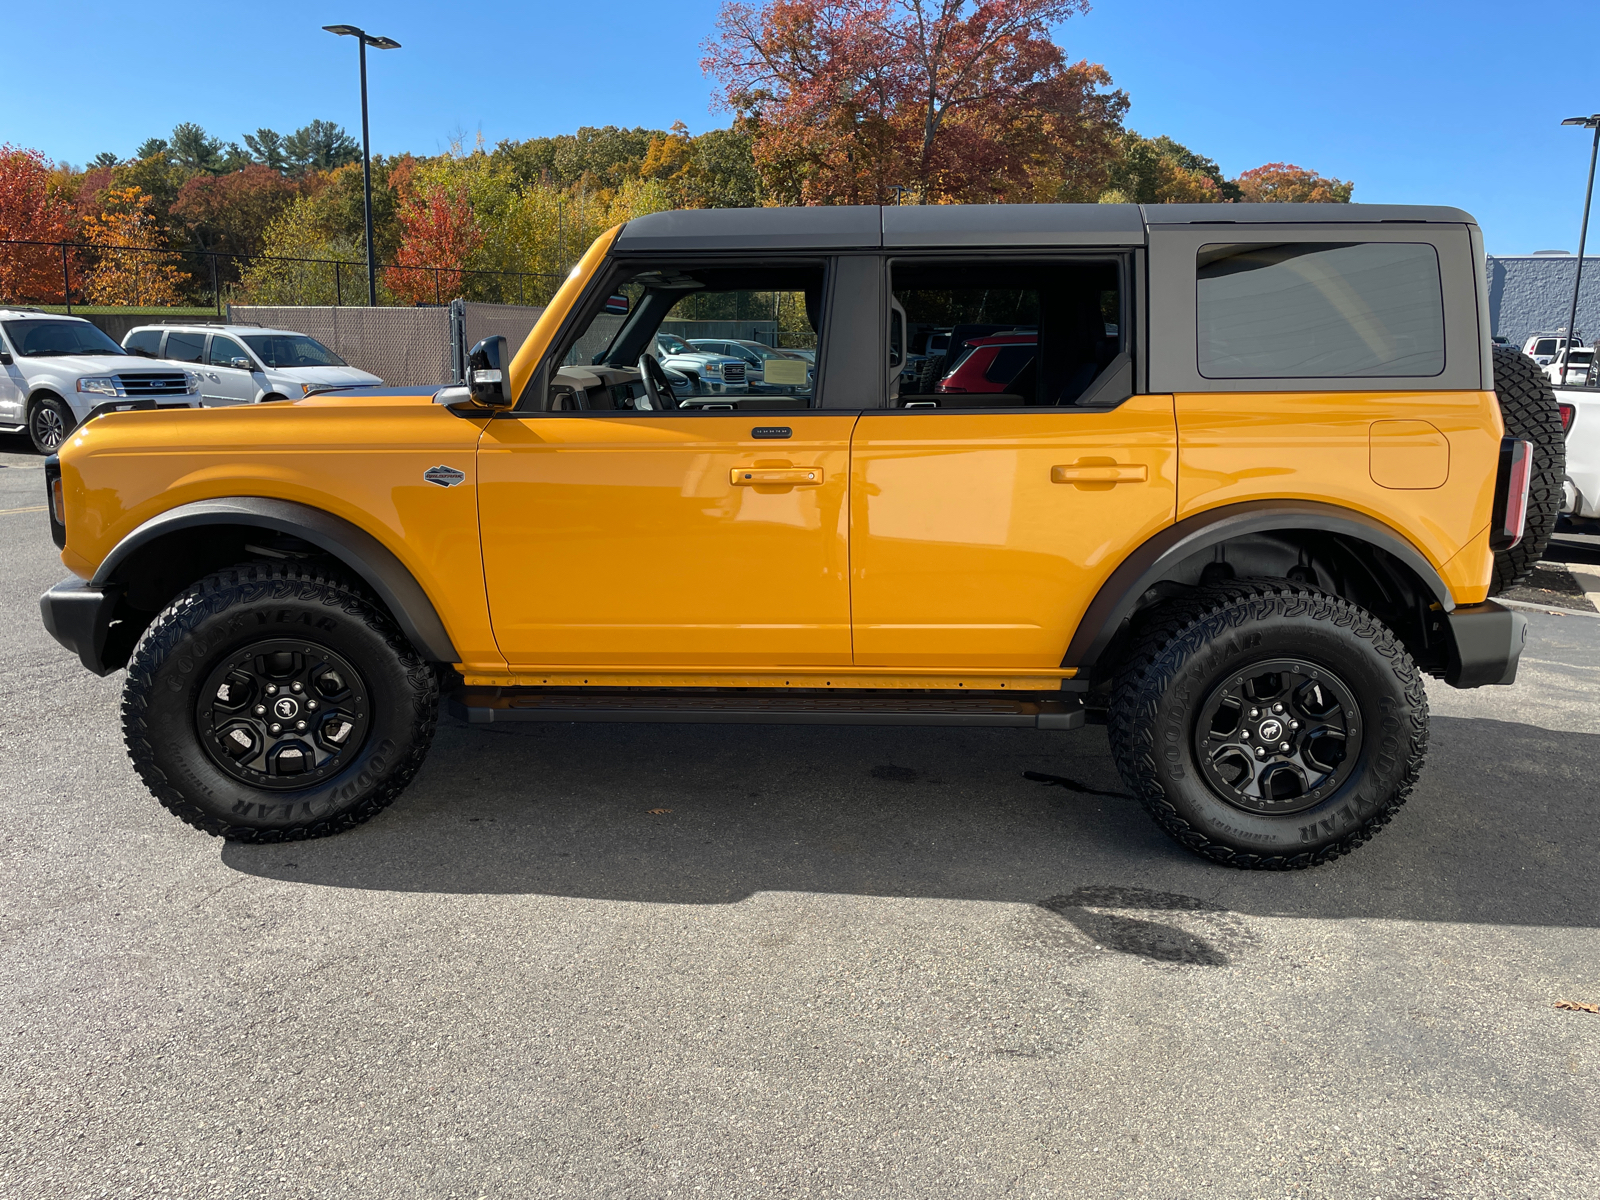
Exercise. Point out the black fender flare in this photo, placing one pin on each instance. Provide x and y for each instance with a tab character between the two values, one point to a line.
1150	563
364	554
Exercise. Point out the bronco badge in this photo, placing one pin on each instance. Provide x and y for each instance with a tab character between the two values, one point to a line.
444	476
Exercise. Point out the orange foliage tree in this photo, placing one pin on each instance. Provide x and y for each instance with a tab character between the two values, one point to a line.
955	100
31	211
124	273
1285	183
437	229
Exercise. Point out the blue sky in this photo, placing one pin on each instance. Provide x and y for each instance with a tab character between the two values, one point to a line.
1441	103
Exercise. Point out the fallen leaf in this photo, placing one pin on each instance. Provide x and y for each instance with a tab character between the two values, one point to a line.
1578	1006
657	812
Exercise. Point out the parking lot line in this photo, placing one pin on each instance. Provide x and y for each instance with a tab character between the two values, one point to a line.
6	512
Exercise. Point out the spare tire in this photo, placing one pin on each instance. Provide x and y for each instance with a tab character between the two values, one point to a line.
1528	407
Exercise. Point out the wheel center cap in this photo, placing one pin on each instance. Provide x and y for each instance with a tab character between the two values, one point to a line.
1270	730
286	708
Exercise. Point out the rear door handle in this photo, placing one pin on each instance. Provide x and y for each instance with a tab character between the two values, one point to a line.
1119	473
787	476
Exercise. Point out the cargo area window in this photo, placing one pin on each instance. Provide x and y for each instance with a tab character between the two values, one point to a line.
1003	334
688	338
1306	310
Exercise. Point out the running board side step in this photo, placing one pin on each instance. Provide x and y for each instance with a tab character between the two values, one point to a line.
486	706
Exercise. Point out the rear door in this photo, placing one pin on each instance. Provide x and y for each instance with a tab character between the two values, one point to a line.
230	384
983	524
625	530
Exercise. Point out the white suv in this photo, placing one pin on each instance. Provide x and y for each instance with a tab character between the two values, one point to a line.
55	371
245	364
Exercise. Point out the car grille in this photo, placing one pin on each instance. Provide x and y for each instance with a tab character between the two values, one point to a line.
733	372
152	383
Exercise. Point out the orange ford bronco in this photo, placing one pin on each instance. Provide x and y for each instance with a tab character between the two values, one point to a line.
1234	480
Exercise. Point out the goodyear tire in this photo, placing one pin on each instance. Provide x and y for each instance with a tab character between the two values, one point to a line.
1268	725
274	702
1528	407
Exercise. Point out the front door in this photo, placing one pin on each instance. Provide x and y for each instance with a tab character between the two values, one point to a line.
996	495
624	525
227	382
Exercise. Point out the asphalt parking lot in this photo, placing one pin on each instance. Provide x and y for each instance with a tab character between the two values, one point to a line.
642	961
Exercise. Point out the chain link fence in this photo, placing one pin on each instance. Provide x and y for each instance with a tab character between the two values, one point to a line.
78	275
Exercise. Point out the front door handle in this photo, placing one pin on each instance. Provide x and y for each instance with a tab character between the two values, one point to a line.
784	476
1101	473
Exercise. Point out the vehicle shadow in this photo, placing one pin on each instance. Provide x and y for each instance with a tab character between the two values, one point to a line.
1500	830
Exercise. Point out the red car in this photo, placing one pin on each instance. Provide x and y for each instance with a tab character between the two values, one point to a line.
990	364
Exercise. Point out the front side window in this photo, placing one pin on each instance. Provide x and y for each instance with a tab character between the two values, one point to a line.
224	350
47	339
671	351
997	334
1308	310
288	350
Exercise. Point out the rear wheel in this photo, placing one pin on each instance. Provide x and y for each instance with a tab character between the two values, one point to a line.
1268	725
1528	407
274	702
49	422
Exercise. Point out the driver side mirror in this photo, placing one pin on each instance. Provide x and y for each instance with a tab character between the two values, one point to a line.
5	358
241	364
489	373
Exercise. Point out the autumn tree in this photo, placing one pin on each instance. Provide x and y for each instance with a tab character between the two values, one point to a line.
31	211
231	212
438	229
1162	171
1285	183
124	272
958	100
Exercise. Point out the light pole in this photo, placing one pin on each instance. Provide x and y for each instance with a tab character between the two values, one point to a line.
1591	122
377	43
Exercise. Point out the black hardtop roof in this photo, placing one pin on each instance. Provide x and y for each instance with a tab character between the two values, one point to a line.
871	227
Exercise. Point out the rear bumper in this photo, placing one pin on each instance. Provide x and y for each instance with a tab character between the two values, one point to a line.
79	617
1486	642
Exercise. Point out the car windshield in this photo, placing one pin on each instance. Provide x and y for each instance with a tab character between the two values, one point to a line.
292	350
671	344
40	339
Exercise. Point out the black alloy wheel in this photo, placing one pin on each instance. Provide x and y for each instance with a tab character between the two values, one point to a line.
276	701
1266	724
282	713
1278	737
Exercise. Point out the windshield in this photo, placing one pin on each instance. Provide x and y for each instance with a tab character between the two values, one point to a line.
671	344
292	350
40	339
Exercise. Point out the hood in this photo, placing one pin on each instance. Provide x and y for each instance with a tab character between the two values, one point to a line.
345	375
96	364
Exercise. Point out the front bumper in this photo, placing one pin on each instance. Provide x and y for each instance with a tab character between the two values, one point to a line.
1486	641
80	617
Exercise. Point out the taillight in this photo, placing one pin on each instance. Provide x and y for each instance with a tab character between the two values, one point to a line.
1567	411
1511	493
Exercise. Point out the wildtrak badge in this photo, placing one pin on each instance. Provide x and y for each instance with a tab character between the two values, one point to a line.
444	476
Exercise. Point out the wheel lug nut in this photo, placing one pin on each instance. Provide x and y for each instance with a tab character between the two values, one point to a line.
272	689
1294	724
1254	713
261	710
311	706
301	726
1277	708
1261	751
295	687
275	728
1284	747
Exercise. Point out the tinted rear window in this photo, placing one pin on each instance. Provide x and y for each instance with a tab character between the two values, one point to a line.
1311	310
145	341
185	347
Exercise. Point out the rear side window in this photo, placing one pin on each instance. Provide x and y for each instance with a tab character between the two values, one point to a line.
1306	310
146	342
185	347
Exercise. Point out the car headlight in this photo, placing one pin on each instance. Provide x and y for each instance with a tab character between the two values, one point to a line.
100	385
713	368
191	382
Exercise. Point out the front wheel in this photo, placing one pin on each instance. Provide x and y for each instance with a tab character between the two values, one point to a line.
49	422
1268	725
274	702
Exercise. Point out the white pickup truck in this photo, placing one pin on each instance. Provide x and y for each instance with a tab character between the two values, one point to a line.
1580	417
